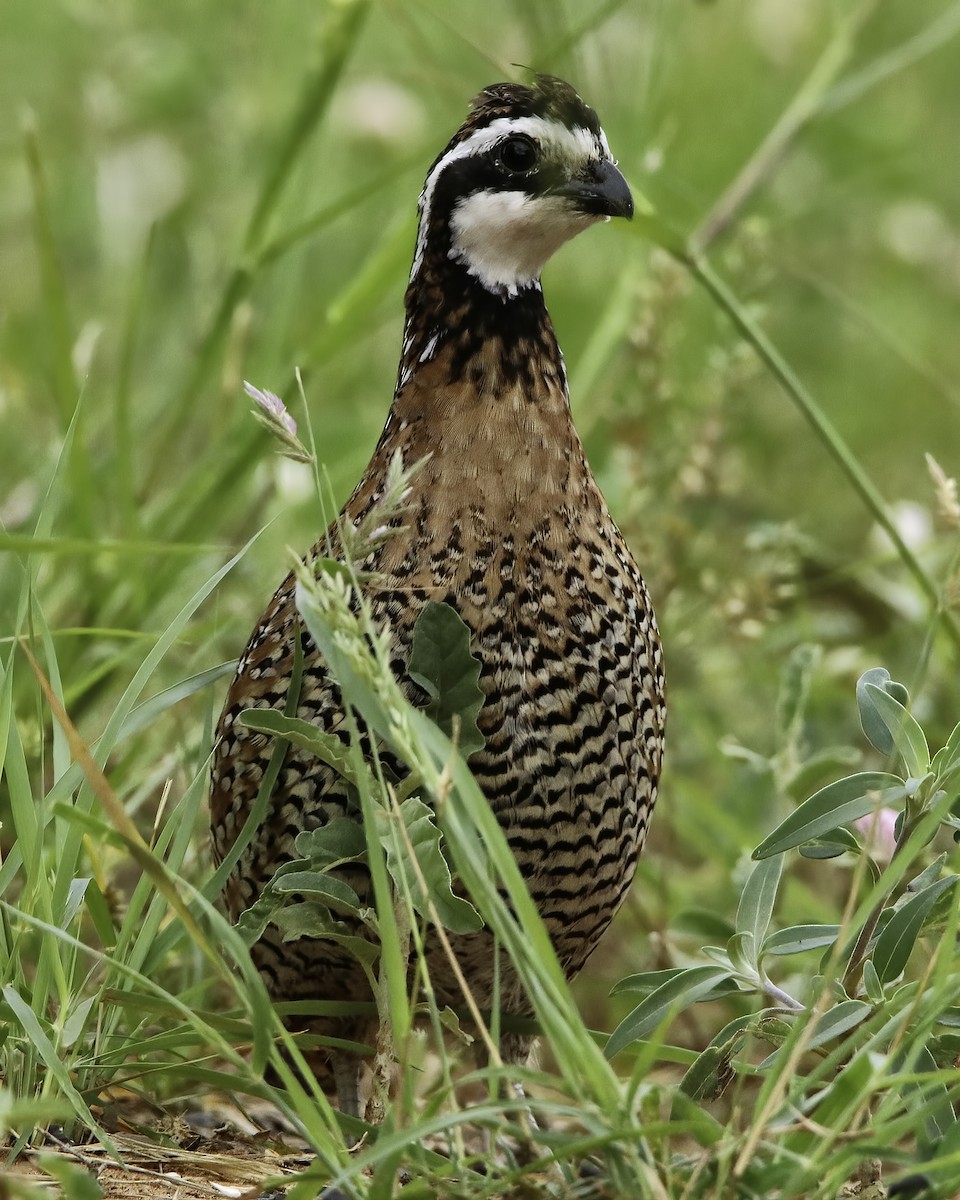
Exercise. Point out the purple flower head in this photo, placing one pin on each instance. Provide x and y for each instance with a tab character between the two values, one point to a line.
273	406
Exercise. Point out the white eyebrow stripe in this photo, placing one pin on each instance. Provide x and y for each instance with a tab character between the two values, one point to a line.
576	143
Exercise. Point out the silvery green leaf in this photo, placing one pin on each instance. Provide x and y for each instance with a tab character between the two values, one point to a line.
835	805
905	733
757	900
837	1021
871	983
932	1096
798	938
645	981
929	875
874	729
73	1026
742	952
947	758
674	995
831	845
899	935
703	1078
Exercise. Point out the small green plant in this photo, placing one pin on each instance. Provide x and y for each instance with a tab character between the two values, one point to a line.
872	1031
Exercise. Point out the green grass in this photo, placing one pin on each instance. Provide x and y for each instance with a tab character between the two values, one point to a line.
197	197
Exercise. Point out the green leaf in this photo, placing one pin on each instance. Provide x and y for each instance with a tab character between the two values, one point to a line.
423	837
928	875
674	995
757	899
871	983
795	690
875	729
74	898
837	1021
149	711
698	1123
319	884
718	955
928	1096
836	804
255	919
303	734
451	1023
798	938
647	981
442	664
73	1026
904	731
831	1025
842	1096
950	1017
831	845
311	919
895	944
340	840
710	1071
741	950
53	1061
947	758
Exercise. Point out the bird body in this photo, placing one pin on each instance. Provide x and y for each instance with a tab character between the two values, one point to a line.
505	522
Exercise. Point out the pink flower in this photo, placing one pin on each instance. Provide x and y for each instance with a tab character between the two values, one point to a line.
878	830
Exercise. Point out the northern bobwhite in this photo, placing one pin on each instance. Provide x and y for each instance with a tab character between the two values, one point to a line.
506	523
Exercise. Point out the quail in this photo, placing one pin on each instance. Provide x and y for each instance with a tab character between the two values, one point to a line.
506	523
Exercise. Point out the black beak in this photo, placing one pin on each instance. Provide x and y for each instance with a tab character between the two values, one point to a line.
599	191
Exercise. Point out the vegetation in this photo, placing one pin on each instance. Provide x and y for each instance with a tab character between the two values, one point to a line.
759	365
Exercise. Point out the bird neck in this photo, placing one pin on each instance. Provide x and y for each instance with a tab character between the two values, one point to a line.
482	404
482	397
456	331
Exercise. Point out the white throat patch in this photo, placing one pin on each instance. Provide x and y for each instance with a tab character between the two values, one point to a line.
505	238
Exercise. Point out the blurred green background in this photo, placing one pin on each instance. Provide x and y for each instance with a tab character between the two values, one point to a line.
139	287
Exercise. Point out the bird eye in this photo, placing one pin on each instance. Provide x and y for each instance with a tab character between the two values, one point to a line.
518	154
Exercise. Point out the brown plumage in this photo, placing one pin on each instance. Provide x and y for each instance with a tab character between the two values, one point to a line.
507	524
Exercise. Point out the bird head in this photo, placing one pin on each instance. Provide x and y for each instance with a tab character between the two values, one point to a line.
529	169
